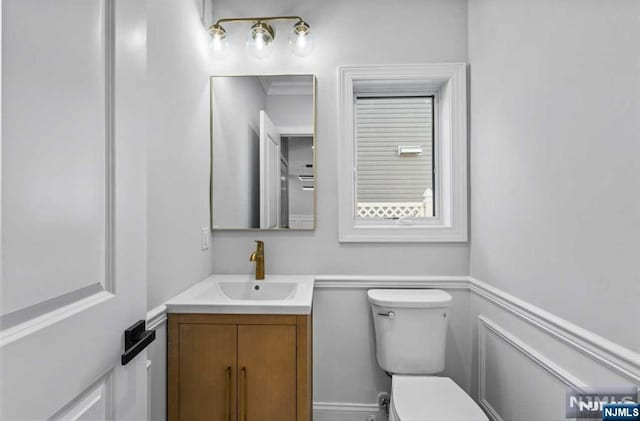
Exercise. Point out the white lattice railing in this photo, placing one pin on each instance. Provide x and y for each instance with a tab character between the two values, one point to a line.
390	209
397	209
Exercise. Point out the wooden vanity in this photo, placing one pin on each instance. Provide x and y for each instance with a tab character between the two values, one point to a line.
239	367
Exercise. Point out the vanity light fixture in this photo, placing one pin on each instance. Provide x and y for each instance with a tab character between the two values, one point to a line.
219	43
300	40
261	36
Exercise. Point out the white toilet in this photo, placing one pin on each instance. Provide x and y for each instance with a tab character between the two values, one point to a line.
411	330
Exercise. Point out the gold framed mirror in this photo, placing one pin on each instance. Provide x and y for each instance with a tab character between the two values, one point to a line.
263	172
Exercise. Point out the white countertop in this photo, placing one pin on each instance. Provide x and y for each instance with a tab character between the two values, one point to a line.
242	294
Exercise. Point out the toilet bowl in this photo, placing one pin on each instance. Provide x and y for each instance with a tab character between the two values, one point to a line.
431	398
410	327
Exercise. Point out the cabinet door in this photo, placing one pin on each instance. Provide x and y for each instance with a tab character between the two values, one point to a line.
207	372
267	372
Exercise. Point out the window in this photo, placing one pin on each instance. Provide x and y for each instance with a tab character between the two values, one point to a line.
403	153
395	176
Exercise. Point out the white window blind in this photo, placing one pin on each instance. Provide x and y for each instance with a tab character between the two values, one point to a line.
394	154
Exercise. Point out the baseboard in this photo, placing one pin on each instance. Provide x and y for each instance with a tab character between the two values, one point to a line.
340	411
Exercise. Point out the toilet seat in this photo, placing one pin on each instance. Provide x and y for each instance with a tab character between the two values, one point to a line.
430	398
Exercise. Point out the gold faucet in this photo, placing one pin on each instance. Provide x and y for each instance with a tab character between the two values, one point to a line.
258	257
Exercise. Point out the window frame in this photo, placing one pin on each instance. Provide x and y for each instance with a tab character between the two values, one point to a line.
448	83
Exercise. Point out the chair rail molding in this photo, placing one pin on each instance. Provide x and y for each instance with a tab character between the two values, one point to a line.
391	281
157	317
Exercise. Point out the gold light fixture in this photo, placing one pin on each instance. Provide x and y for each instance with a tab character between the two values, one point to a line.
219	42
261	36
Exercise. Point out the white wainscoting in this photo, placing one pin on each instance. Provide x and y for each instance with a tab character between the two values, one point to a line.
526	359
520	384
514	358
608	353
157	364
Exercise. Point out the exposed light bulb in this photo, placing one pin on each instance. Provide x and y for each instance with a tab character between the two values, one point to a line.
219	43
260	39
300	40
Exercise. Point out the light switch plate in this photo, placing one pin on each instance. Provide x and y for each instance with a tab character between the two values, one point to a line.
204	238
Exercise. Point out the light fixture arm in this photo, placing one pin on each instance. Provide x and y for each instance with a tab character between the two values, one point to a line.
257	19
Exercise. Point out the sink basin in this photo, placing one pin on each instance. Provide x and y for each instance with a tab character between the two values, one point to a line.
258	290
241	294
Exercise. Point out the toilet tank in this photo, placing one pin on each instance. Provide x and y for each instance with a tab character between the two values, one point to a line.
410	329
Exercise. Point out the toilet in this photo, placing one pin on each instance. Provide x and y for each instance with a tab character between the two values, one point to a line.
411	329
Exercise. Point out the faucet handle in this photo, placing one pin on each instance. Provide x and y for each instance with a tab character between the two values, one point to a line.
260	244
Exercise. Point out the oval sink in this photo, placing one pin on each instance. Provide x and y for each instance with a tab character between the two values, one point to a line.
258	290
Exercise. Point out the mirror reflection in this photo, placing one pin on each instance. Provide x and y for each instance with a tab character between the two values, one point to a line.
262	147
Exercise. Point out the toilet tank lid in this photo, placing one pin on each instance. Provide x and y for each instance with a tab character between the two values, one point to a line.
409	298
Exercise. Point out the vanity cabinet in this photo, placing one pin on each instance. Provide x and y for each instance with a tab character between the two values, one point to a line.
226	367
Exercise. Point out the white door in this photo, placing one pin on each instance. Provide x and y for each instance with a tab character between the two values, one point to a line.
73	208
269	173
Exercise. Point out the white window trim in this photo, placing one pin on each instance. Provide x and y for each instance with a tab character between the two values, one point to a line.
451	223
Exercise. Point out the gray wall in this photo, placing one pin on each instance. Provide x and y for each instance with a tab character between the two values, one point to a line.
555	153
178	148
443	38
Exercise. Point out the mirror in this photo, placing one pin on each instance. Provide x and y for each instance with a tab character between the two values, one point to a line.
263	152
